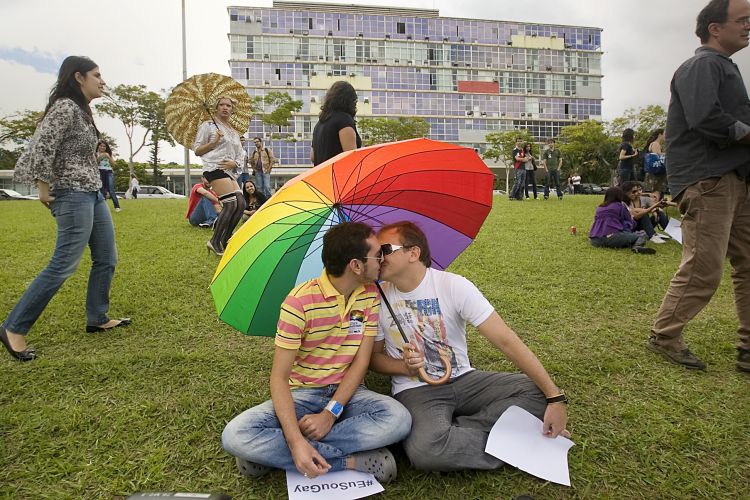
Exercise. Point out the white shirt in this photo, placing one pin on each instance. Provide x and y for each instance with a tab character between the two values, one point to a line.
433	315
228	148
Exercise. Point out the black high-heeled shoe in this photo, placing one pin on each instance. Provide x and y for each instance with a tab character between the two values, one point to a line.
26	355
94	328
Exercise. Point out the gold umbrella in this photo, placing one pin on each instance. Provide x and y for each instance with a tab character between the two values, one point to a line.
192	102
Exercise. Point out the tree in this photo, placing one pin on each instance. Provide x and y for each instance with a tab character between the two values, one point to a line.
589	150
382	130
135	106
642	120
15	132
502	144
275	109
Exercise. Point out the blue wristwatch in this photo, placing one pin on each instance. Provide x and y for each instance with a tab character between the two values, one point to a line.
335	408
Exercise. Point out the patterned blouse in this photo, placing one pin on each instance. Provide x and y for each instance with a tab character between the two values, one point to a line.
62	151
228	148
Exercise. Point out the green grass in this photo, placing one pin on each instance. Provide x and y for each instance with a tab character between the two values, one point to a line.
142	408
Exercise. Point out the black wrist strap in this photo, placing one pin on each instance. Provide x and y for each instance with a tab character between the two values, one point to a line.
558	399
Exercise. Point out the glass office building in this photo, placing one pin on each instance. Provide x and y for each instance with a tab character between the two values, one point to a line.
466	77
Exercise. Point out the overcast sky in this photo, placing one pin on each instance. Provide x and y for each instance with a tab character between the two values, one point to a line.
139	42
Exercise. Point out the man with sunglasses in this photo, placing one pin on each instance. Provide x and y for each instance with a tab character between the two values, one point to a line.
320	417
451	422
708	170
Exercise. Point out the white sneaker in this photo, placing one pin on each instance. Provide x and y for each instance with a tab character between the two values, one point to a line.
655	239
117	209
663	236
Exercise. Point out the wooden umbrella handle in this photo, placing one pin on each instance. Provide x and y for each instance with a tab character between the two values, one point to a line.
446	359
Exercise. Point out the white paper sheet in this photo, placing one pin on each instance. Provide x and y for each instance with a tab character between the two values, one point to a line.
341	485
674	230
517	439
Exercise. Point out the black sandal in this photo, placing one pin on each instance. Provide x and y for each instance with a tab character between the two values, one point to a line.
94	328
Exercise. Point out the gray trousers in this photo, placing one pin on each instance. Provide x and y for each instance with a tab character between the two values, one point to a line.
451	422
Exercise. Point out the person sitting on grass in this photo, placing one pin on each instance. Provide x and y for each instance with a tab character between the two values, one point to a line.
659	217
203	205
253	197
641	214
451	422
613	225
320	417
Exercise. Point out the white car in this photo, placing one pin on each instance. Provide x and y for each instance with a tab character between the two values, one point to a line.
9	194
156	192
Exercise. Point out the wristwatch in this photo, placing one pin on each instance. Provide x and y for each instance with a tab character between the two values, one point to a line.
335	408
560	398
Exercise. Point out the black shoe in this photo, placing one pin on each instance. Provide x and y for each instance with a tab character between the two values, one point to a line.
94	328
26	355
683	357
644	250
743	360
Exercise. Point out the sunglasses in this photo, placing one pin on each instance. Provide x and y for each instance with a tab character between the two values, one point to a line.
389	248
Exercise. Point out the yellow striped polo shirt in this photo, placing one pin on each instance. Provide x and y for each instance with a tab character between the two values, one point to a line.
325	331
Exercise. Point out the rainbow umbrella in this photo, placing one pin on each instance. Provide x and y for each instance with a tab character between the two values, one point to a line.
444	188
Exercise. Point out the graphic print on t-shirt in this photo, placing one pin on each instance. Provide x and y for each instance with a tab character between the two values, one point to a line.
423	325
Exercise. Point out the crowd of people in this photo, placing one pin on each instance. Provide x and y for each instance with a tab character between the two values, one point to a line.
332	328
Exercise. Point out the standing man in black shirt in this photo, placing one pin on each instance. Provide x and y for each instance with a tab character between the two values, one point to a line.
708	163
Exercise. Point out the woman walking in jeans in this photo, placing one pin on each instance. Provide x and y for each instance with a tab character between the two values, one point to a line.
107	175
61	160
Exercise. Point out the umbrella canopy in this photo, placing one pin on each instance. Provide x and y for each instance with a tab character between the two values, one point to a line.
191	101
444	188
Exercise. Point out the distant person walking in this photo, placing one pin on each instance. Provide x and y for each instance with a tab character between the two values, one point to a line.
708	167
61	160
222	154
626	153
262	162
336	130
106	174
553	160
134	186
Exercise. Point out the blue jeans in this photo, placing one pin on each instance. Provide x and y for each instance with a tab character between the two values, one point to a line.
530	179
552	179
520	179
108	185
204	211
623	239
82	219
243	178
370	420
263	183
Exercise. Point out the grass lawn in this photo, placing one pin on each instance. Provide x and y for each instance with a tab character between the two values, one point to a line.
142	408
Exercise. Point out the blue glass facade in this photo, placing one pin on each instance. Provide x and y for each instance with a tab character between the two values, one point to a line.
466	77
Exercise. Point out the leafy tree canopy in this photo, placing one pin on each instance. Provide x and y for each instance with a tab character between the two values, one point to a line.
382	130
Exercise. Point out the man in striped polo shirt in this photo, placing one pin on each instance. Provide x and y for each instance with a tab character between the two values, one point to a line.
320	417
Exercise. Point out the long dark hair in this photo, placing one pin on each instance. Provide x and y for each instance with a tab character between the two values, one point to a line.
628	135
106	147
613	195
651	138
259	197
68	86
340	97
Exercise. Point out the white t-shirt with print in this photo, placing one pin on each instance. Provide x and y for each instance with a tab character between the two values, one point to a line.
433	315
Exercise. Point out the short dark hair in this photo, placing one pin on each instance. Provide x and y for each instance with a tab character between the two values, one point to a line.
628	135
716	11
257	139
551	141
411	236
613	195
340	97
344	242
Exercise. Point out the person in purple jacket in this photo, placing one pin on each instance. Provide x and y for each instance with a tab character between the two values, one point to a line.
613	225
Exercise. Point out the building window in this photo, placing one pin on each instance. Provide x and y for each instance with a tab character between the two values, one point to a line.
309	23
401	28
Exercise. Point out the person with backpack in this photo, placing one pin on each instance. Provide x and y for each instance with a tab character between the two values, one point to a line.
262	161
653	161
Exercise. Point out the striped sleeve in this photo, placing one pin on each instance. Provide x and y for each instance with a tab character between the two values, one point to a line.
291	325
373	315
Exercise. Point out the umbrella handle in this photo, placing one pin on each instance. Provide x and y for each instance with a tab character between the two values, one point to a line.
446	360
208	112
